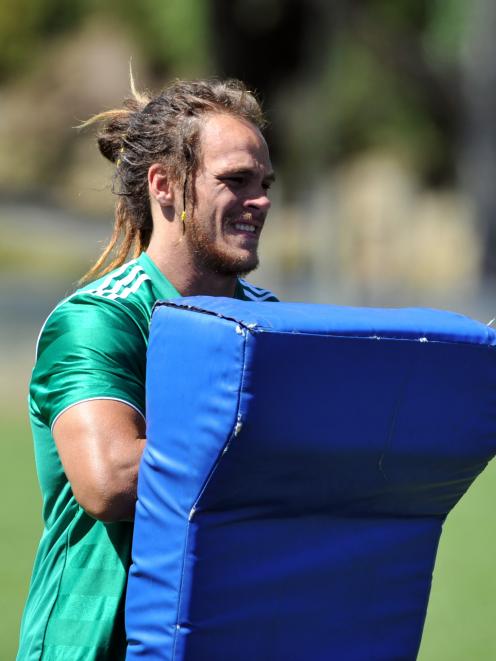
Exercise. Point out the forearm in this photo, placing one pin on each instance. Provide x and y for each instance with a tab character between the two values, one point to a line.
111	494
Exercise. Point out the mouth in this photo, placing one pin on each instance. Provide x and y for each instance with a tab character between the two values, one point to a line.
247	226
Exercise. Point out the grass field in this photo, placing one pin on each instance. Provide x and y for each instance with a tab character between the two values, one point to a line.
460	622
20	519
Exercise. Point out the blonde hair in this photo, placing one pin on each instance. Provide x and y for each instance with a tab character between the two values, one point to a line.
158	129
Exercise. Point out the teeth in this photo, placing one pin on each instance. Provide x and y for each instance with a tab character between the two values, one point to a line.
245	227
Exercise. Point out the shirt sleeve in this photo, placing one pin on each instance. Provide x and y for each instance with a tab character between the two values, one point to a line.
89	348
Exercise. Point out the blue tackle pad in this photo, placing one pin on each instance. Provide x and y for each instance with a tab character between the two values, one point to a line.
301	460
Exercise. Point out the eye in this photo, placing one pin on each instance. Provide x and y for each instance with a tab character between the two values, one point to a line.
266	185
233	180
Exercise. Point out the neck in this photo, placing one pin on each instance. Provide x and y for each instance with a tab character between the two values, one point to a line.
188	278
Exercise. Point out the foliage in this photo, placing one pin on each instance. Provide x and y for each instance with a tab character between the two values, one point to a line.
27	25
388	78
385	72
174	36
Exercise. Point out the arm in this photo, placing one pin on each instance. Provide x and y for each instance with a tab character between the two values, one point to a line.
100	443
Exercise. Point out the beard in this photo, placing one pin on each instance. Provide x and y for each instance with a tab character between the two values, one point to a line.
214	258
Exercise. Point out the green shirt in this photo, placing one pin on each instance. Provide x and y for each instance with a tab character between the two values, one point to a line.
92	346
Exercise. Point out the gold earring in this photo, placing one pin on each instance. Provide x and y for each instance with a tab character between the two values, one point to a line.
183	220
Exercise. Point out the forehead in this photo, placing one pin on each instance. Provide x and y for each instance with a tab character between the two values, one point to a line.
228	141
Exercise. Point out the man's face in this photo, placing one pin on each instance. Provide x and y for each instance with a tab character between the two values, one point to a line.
231	196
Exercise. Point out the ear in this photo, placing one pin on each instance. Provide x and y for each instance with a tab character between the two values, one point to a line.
160	185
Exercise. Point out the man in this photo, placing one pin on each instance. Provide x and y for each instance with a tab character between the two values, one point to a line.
192	179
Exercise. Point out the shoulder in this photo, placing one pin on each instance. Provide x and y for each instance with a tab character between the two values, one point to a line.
123	299
250	292
93	345
121	284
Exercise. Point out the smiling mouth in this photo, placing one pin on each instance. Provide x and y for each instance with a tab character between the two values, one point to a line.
245	227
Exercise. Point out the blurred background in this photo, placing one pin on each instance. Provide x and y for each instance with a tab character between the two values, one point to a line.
382	134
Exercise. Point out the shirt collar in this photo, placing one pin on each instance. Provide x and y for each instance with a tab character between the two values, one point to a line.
164	288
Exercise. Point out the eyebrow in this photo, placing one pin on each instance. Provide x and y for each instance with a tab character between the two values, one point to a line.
248	171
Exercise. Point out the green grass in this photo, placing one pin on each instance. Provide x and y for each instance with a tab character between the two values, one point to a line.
20	524
460	622
462	608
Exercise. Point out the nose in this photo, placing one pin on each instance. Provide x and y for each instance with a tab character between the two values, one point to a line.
259	201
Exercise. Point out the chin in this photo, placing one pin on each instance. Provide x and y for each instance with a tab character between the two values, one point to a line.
220	257
249	268
237	267
229	264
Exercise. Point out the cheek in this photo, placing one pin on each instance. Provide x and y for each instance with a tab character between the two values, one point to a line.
223	214
229	206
